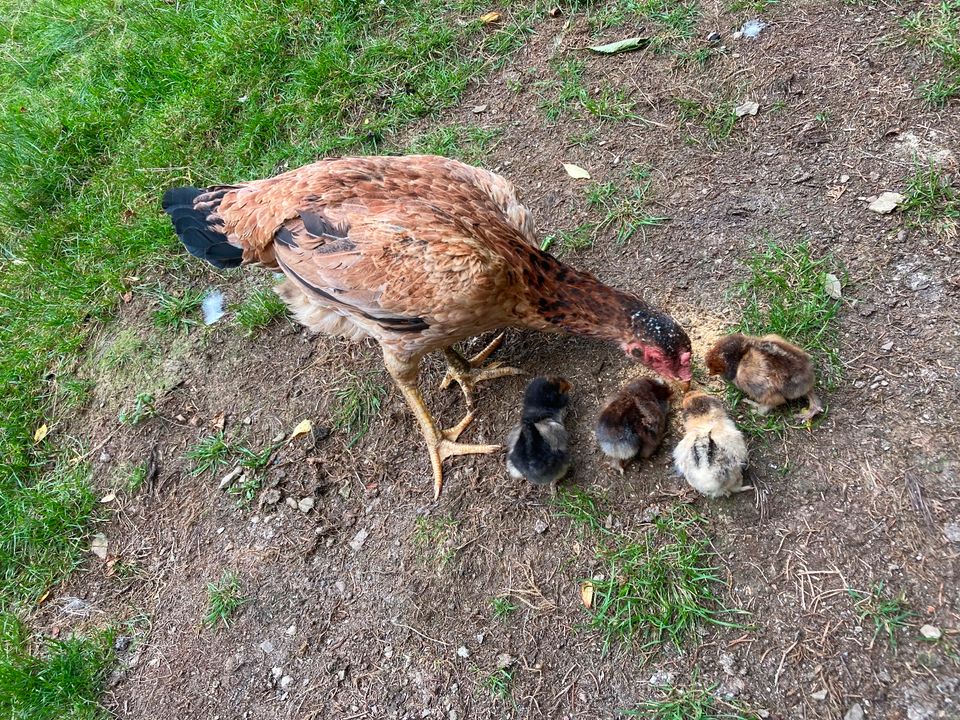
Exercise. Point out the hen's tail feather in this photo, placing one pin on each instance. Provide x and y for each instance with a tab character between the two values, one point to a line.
196	228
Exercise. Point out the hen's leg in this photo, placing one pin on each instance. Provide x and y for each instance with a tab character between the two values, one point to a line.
441	444
467	373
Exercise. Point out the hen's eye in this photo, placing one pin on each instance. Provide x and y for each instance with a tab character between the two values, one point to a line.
637	352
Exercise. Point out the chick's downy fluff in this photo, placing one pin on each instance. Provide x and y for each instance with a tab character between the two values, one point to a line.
633	421
768	370
537	446
712	454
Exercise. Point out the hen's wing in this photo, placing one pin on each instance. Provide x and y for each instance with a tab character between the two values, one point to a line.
407	243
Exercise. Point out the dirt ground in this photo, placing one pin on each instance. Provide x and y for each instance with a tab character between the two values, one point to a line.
869	496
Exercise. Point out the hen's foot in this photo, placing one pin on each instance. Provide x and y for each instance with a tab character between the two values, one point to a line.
441	448
468	373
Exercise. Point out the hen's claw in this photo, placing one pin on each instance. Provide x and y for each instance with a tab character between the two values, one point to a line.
468	373
442	448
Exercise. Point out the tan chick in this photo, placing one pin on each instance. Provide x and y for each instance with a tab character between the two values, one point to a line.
768	370
712	454
634	421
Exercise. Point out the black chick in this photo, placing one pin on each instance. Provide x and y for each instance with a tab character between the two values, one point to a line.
634	421
537	446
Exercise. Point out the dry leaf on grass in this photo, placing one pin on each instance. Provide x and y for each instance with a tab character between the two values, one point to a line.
625	45
40	433
586	594
99	546
490	17
303	427
576	172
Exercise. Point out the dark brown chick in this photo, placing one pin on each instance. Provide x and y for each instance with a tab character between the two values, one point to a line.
768	370
634	421
418	253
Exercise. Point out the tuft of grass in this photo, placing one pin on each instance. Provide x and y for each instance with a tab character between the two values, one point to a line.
501	608
436	538
211	454
580	238
258	310
786	294
931	196
658	586
499	683
939	92
582	508
676	20
136	478
715	120
888	614
223	599
469	143
144	408
358	401
62	679
175	312
690	703
756	7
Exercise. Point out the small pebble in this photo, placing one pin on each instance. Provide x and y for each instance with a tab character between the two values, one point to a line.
819	695
463	652
285	682
266	646
854	713
540	526
292	630
306	504
276	672
931	632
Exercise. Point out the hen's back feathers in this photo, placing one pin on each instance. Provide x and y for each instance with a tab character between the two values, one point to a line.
200	230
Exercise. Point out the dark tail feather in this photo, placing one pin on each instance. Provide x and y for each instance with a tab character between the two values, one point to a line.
201	239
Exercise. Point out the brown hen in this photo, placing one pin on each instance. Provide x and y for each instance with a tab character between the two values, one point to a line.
418	252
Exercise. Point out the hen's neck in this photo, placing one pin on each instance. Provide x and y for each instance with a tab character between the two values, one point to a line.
563	299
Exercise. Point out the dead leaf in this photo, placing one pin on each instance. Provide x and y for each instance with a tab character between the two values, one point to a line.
40	433
127	296
747	107
576	172
831	286
43	598
836	192
99	546
586	594
490	17
219	422
625	45
108	498
303	427
886	203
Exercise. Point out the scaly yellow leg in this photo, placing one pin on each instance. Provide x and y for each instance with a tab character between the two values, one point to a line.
468	373
441	444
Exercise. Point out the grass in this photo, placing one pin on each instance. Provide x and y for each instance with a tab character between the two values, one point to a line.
658	586
59	679
786	294
582	508
258	310
716	120
136	477
215	453
888	614
676	20
690	703
501	608
175	311
144	408
754	7
104	106
931	196
469	143
223	599
937	29
358	401
211	454
435	537
499	683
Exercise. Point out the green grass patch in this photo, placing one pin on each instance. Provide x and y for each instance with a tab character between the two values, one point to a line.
258	310
754	7
358	398
582	508
937	29
436	538
223	599
888	614
675	20
690	703
712	122
175	310
52	679
469	143
143	408
658	586
501	608
499	683
931	197
216	453
104	106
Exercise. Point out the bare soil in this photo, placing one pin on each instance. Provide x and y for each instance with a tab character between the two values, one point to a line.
374	632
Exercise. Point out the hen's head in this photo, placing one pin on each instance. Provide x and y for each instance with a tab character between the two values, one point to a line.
658	342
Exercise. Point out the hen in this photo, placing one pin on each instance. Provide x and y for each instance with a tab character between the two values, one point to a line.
417	252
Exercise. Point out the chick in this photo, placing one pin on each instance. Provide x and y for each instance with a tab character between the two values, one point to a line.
537	446
633	421
769	370
712	454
